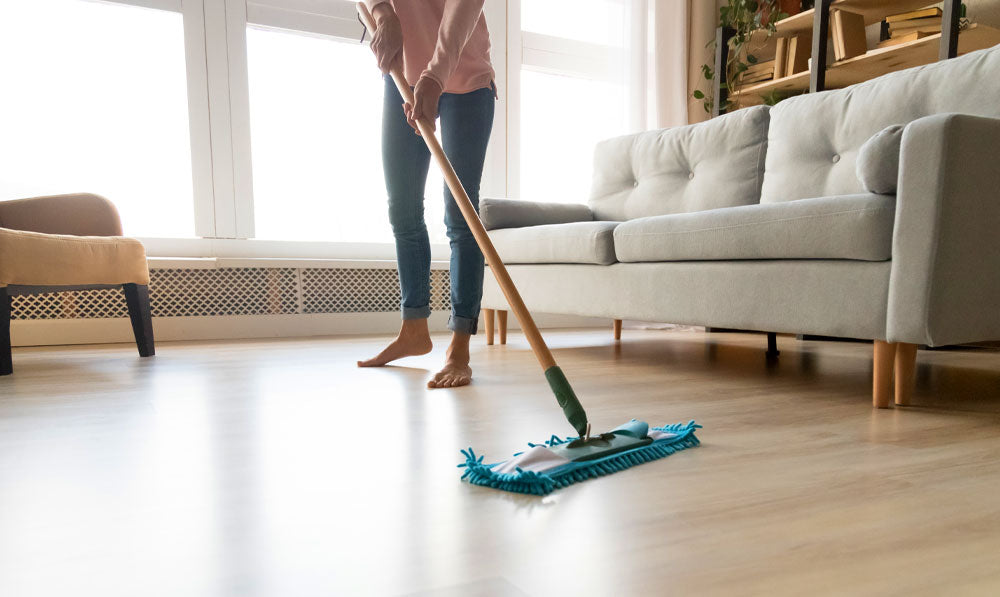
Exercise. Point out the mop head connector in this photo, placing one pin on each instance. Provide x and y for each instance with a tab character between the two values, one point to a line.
558	463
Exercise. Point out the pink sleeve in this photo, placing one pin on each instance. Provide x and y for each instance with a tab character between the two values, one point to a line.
457	24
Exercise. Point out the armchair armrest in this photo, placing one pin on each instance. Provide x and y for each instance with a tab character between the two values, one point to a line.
78	214
945	282
510	213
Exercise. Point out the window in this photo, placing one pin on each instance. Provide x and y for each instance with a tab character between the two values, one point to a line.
571	115
222	119
573	92
95	100
315	122
594	21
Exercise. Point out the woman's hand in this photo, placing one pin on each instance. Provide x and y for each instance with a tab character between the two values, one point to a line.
426	95
387	43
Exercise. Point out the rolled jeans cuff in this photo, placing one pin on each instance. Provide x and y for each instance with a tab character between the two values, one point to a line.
416	312
464	325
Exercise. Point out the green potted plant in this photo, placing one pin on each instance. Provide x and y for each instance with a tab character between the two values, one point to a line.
743	18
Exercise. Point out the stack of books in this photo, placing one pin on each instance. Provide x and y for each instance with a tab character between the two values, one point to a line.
758	73
913	25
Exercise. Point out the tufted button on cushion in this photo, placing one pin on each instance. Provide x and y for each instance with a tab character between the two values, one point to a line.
836	158
728	151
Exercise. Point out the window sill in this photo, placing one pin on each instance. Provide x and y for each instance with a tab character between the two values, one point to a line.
254	249
270	262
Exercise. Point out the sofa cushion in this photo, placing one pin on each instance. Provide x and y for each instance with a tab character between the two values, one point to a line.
853	227
878	161
814	139
578	242
512	213
718	163
38	259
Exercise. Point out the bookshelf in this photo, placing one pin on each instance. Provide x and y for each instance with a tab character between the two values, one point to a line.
876	62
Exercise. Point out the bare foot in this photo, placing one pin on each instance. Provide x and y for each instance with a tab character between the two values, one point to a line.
414	340
456	371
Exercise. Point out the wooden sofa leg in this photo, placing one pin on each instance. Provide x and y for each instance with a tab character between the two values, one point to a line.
905	375
502	318
885	353
488	316
6	361
617	326
139	311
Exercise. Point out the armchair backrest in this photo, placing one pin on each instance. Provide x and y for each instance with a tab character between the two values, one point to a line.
78	214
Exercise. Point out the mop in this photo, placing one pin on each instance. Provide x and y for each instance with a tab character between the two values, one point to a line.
557	462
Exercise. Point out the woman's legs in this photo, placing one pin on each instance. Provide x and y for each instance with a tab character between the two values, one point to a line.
405	160
466	123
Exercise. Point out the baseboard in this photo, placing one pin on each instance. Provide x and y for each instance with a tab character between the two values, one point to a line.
54	332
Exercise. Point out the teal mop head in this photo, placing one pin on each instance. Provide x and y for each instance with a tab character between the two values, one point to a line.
561	462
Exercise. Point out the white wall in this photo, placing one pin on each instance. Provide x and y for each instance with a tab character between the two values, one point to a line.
986	12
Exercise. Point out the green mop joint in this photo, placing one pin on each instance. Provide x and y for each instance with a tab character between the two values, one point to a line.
559	463
567	399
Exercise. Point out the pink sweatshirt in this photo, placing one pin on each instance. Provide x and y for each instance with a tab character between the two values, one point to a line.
445	40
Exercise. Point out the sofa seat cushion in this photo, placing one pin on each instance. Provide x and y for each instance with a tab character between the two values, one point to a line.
855	227
38	259
577	242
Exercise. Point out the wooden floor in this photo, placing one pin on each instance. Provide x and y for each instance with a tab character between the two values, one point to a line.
276	468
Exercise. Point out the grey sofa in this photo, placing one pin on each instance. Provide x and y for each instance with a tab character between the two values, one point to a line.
758	220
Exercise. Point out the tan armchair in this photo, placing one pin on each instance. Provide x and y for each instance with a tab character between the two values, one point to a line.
70	242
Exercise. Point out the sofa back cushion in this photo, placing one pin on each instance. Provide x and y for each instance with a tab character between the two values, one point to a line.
814	139
709	165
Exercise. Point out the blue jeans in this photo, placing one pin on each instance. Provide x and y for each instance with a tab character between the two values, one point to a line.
466	122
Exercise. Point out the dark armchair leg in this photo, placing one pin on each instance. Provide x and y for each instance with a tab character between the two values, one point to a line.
137	299
6	364
772	345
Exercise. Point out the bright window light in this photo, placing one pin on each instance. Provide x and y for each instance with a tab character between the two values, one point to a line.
593	21
315	123
95	100
562	118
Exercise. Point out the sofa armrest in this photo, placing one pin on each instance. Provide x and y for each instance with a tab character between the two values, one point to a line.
510	213
945	282
79	214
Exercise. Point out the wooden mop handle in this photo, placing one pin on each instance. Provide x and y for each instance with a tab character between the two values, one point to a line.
471	217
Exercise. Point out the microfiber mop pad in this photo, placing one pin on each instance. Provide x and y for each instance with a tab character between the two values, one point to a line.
558	463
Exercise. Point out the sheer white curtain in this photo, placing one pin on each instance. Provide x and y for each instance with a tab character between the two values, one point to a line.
678	35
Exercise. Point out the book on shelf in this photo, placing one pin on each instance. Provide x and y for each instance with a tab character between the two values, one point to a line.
760	72
902	39
914	14
915	24
780	57
849	36
760	67
797	58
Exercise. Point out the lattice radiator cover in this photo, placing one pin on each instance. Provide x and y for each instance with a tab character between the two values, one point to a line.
177	292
